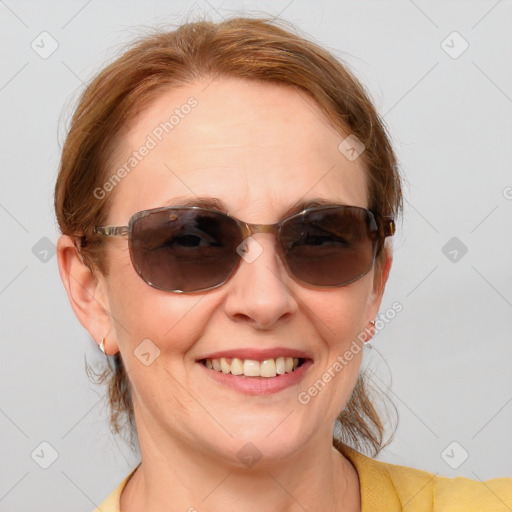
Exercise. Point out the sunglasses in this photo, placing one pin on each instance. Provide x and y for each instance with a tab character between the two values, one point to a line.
185	249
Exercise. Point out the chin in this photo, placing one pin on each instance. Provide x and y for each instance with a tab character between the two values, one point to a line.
258	448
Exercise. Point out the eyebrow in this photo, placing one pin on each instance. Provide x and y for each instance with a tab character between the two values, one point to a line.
214	203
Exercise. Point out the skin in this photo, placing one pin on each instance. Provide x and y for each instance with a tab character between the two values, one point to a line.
259	148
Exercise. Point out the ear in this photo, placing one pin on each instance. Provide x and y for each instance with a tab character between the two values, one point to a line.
381	274
86	292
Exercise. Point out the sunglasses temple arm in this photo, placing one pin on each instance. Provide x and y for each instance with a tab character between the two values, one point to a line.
112	230
388	226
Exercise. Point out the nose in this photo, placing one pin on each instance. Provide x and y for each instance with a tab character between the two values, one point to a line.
260	291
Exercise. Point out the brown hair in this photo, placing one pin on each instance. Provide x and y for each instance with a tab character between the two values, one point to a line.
256	49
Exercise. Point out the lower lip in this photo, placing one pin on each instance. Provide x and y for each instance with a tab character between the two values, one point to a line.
259	385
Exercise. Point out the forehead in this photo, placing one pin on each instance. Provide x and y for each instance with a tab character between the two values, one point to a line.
256	146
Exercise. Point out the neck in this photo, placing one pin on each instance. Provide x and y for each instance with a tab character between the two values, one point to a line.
175	476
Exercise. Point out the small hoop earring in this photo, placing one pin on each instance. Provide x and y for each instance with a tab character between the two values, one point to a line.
102	345
366	342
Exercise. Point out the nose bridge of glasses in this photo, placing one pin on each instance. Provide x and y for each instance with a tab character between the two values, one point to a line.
251	229
256	249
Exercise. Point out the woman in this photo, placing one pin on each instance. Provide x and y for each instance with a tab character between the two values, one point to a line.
227	196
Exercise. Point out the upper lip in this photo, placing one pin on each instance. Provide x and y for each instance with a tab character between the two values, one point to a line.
257	354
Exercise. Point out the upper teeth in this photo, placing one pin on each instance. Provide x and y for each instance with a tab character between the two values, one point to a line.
253	368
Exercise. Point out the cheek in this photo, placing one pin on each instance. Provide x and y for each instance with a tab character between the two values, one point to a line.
172	322
155	332
341	314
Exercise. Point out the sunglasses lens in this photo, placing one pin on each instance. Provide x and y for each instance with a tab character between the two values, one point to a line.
184	249
188	249
330	247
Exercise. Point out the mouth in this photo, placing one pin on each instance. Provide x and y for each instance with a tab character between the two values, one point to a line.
267	368
256	374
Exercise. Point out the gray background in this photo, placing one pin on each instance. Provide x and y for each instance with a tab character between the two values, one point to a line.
447	354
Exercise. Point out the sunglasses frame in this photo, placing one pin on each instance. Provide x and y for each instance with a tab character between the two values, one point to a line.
385	225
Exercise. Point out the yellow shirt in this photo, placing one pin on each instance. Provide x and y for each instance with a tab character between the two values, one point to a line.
393	488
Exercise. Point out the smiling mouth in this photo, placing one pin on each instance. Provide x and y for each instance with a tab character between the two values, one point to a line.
268	368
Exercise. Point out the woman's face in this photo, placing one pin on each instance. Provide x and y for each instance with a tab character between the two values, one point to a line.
258	148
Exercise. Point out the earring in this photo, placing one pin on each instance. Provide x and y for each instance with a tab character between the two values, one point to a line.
369	335
102	345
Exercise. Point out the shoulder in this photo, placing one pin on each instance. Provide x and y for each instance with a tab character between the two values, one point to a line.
112	503
404	488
